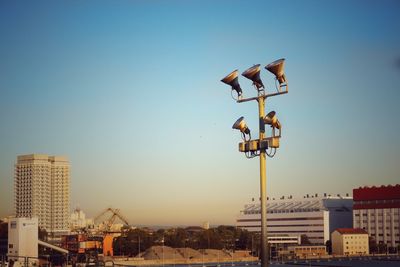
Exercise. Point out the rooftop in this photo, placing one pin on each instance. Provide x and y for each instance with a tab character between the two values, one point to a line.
377	193
301	205
351	231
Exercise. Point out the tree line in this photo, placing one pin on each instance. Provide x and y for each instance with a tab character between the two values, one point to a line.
134	241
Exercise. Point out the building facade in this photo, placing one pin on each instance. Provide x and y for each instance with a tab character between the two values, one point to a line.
315	217
350	241
23	239
308	252
79	221
377	211
41	185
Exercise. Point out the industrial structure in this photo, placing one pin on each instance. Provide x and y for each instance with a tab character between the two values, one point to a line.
23	240
108	233
42	190
377	211
267	143
312	216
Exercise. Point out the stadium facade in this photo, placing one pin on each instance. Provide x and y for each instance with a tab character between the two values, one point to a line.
312	216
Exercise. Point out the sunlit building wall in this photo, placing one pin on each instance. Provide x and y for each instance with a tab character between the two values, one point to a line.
377	211
315	217
350	241
42	190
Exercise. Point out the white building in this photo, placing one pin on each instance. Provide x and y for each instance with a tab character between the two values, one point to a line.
316	217
377	211
42	190
23	239
79	221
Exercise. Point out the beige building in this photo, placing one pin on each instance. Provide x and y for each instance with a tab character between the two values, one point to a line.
350	241
41	187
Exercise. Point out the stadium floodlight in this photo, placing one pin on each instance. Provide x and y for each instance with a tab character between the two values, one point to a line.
253	74
266	144
272	120
241	125
277	68
232	80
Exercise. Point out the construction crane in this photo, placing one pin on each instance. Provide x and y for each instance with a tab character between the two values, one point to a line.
108	235
109	223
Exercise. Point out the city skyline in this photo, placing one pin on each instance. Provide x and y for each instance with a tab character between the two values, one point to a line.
130	92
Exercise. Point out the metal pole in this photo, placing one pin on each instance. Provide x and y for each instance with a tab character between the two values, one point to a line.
139	246
263	187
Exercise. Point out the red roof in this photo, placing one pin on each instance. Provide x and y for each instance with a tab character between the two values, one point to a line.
377	193
351	231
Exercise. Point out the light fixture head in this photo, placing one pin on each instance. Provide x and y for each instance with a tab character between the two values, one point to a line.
272	120
241	125
253	74
277	68
232	80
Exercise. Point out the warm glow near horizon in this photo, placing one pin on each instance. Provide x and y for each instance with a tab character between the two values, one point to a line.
130	92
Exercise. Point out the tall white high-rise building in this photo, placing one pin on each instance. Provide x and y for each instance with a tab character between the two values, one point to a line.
42	190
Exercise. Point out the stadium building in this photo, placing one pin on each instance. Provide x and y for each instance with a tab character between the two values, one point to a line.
312	216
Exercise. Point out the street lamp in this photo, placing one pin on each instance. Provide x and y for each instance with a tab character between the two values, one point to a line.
265	145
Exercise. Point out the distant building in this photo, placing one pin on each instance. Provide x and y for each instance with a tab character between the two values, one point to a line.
79	221
350	241
316	217
42	190
308	252
23	239
377	210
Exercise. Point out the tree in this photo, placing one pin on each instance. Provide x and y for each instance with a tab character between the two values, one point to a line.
135	241
42	234
382	248
304	240
329	246
222	237
3	230
3	237
373	248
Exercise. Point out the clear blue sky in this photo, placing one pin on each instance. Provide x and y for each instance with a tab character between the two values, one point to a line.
130	91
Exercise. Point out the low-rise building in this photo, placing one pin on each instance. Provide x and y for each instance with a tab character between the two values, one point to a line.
23	239
350	241
308	252
313	216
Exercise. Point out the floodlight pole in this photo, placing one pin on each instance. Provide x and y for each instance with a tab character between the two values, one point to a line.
263	186
263	174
